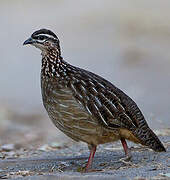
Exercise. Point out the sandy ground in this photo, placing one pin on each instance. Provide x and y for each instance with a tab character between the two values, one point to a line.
35	149
68	163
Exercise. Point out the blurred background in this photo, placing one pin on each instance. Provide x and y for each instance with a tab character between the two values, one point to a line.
126	42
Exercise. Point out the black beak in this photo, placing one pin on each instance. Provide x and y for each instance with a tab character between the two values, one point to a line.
29	41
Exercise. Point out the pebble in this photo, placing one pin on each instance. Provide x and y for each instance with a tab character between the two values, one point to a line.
57	144
8	147
44	147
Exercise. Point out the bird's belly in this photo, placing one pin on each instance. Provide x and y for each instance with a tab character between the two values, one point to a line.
71	118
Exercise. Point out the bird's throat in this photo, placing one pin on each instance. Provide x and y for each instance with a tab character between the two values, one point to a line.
52	64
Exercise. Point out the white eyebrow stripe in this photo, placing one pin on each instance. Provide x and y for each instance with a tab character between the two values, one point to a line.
47	35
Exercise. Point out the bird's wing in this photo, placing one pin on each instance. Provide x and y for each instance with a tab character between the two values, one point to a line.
108	104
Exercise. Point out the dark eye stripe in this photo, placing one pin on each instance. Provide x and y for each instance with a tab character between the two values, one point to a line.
43	37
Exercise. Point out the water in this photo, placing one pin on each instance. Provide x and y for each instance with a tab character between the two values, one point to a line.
127	42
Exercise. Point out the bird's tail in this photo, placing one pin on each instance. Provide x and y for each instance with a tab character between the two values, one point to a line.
148	138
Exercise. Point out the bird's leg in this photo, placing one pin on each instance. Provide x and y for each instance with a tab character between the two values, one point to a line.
126	149
92	149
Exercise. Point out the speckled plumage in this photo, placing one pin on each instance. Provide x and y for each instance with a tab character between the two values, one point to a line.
81	103
87	107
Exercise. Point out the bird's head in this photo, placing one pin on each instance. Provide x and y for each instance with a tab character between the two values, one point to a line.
45	40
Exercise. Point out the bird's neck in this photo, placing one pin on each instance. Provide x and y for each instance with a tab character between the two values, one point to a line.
53	64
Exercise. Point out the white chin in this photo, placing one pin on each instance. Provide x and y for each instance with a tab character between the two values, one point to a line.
39	46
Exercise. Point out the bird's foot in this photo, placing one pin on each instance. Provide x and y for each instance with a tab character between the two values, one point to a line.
85	170
127	159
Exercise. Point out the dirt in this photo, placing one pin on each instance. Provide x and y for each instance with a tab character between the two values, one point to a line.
68	163
32	148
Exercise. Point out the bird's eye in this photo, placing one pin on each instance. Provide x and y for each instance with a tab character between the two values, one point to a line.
41	37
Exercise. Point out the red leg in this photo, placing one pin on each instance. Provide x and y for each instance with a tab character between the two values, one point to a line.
91	157
125	147
127	152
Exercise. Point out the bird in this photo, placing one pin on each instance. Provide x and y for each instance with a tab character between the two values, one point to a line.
85	106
